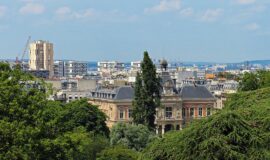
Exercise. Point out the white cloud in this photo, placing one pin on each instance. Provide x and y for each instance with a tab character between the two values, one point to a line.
245	1
211	15
252	26
187	12
65	13
32	8
165	5
3	10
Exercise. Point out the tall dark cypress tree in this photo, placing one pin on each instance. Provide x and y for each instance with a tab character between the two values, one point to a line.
147	94
138	101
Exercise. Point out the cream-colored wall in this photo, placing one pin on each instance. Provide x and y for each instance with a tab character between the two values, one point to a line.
111	109
41	61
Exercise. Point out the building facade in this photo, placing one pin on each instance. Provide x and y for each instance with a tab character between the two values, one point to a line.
69	68
41	56
110	66
67	90
197	102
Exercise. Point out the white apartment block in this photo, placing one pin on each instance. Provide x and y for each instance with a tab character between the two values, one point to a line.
110	66
70	68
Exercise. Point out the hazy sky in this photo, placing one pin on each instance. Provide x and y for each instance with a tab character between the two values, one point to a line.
184	30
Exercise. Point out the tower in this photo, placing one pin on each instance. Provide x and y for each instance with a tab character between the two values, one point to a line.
41	56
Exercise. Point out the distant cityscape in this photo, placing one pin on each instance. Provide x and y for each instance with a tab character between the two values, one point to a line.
190	89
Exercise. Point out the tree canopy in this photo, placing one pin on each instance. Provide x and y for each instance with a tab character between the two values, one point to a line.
253	81
32	127
118	153
132	136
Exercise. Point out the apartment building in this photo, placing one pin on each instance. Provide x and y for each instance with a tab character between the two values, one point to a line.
110	66
41	56
69	68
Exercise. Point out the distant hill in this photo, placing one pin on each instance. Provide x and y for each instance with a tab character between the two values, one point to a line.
262	62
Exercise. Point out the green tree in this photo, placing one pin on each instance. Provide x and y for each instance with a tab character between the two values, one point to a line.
138	102
78	144
147	94
264	78
132	136
32	127
249	82
81	113
118	153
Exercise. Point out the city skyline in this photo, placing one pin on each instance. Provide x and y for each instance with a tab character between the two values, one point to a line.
209	31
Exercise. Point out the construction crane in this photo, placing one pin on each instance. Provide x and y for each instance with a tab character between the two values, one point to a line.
26	47
24	51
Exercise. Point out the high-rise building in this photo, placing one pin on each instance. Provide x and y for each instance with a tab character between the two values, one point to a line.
41	56
69	68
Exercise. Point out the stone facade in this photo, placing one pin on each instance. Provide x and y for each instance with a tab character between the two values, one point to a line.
176	110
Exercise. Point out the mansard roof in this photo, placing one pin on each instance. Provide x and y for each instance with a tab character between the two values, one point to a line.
120	93
196	92
124	92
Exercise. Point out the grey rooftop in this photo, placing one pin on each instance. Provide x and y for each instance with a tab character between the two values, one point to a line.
196	92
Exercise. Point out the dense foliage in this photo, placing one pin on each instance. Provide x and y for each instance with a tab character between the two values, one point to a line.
240	131
147	94
132	136
32	127
253	81
118	153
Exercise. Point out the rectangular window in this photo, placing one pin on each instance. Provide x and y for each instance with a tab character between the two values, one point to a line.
208	111
168	112
200	111
183	112
129	113
121	114
191	112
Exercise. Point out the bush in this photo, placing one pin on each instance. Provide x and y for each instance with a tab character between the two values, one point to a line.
132	136
118	153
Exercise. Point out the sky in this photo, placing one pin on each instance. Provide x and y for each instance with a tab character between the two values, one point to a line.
178	30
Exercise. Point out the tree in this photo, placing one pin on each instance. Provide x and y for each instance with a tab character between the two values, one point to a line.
253	81
138	112
77	144
249	82
118	153
147	94
32	127
264	78
81	113
132	136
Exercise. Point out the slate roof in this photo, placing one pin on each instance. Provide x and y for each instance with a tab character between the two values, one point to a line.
190	92
120	93
124	92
